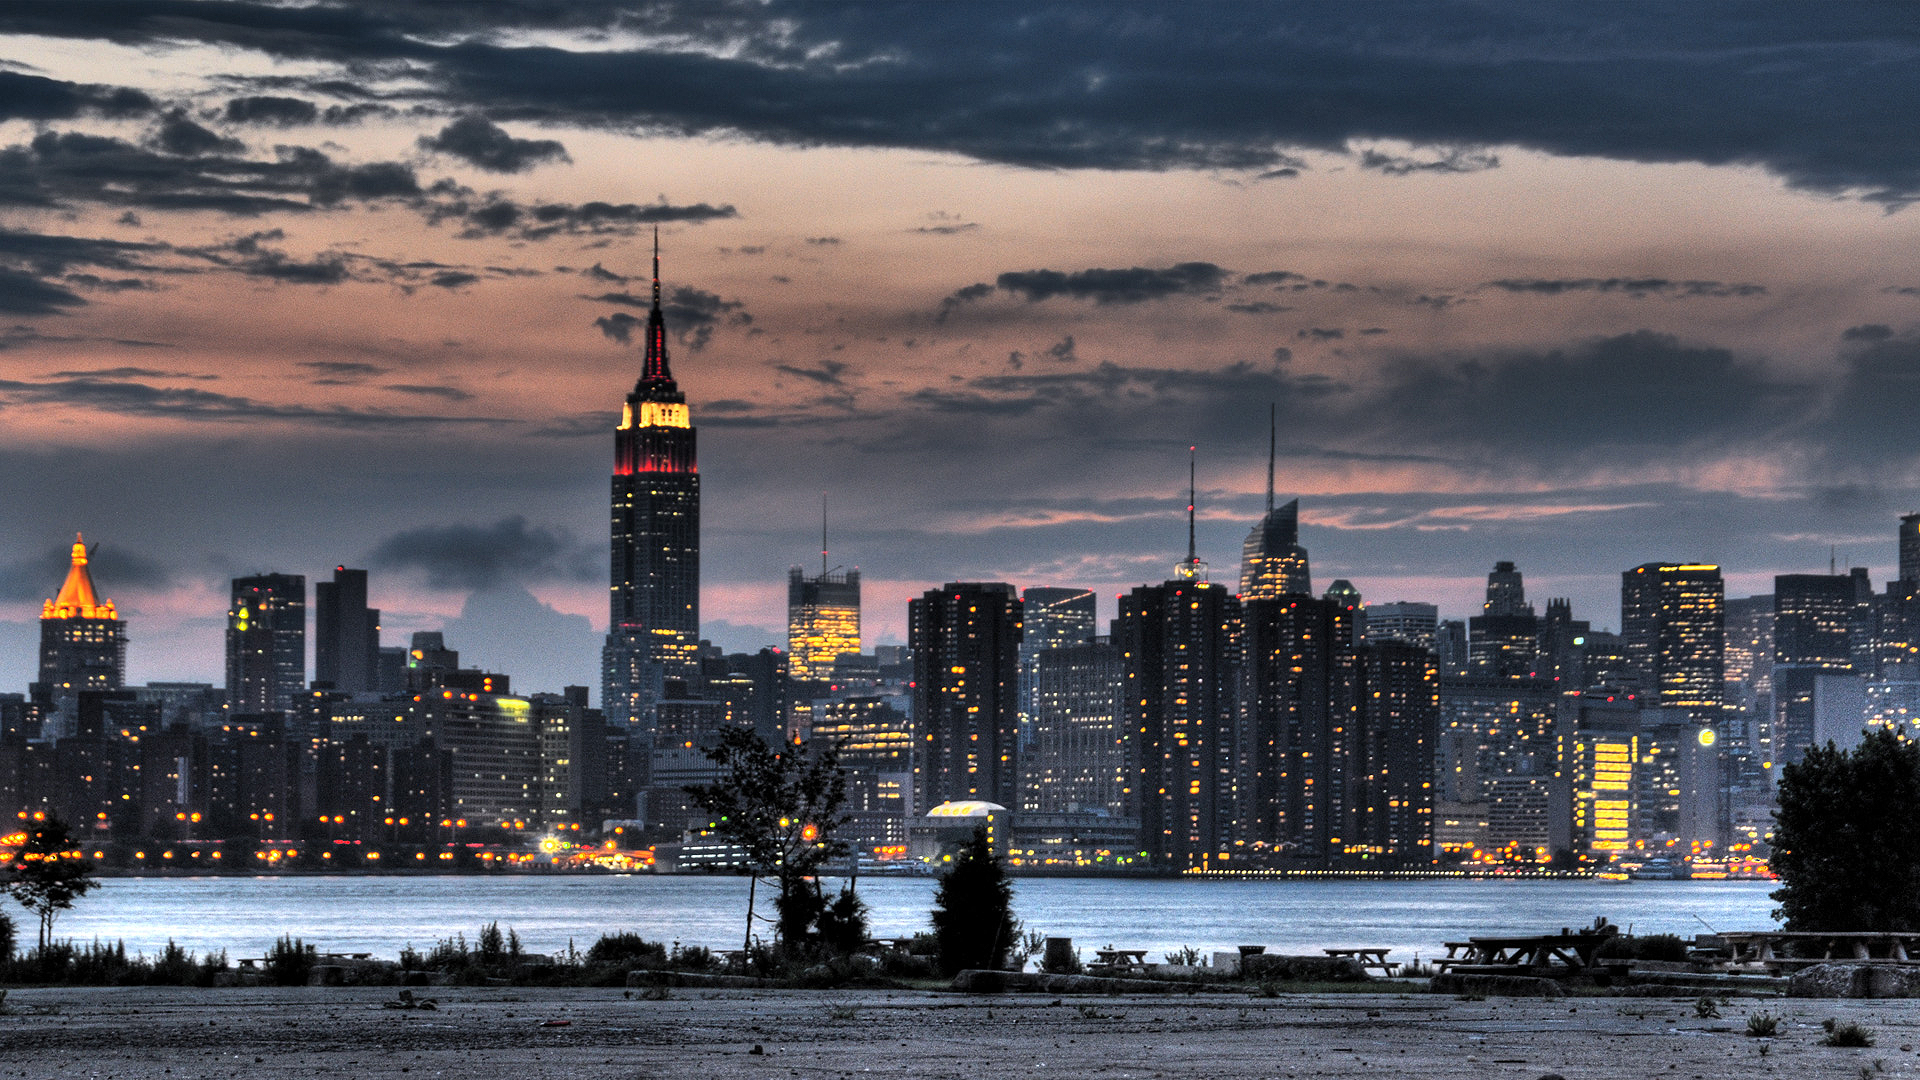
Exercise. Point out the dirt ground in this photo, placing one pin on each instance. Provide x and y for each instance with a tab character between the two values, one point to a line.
507	1033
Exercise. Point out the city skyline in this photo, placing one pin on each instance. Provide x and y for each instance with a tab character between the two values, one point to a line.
1486	339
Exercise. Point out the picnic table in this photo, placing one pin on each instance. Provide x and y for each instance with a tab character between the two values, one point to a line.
1367	958
1118	960
1565	953
1781	950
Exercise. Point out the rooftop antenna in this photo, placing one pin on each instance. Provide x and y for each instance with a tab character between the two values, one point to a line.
1192	568
1273	442
656	266
823	534
1832	567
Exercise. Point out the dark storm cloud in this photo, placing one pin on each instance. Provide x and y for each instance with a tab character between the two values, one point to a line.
24	294
145	400
1871	420
1102	286
32	97
270	109
1868	332
48	254
132	373
181	137
485	556
69	169
1816	96
453	279
618	326
1452	160
1617	399
692	313
485	145
114	569
1628	286
499	216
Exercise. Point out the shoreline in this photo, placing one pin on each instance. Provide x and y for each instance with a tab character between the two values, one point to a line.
527	1033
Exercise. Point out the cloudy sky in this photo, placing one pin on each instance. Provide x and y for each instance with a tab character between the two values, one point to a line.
1580	286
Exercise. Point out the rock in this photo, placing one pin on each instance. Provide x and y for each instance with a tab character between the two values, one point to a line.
1495	985
1843	980
1262	966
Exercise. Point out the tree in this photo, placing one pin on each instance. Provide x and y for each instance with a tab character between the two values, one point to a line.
973	922
48	872
784	807
1844	845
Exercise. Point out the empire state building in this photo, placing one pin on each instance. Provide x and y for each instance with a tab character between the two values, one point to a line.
654	632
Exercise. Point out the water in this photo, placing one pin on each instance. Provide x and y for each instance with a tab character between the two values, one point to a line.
381	915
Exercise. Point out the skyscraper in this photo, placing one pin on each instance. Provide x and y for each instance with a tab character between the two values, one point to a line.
654	630
346	633
965	638
823	620
1052	619
1673	626
1272	562
266	642
83	641
1504	639
1812	642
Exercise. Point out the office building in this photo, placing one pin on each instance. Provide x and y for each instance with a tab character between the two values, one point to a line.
1504	639
1293	750
1053	619
266	643
1910	548
965	638
1413	623
1813	661
346	633
1673	628
1396	722
1074	758
1272	562
83	640
654	629
823	620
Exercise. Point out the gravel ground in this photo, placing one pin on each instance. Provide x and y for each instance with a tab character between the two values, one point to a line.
508	1033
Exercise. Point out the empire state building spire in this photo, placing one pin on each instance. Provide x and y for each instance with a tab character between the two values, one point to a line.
656	369
654	629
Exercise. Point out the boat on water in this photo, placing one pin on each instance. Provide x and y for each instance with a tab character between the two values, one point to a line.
1659	868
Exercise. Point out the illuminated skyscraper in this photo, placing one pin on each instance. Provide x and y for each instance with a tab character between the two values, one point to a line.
83	642
654	631
823	620
966	672
346	632
1812	643
1673	625
1272	562
1053	619
266	642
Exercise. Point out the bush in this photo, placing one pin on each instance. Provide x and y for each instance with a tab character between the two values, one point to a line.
1846	1034
289	962
843	923
626	948
1666	947
1762	1025
691	957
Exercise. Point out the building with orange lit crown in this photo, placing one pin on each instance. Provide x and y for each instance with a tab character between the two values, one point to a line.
654	631
83	641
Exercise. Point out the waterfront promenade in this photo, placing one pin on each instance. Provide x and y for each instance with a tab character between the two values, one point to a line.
509	1033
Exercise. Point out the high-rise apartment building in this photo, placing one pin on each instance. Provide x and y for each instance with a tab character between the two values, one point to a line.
823	621
965	638
1179	644
83	640
654	631
1673	627
1814	617
1053	619
346	633
1293	749
266	642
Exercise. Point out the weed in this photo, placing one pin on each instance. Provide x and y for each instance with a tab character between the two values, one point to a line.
1845	1033
655	993
1762	1025
1088	1012
1705	1008
1187	956
841	1010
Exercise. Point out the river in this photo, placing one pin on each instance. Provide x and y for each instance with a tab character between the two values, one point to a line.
382	914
